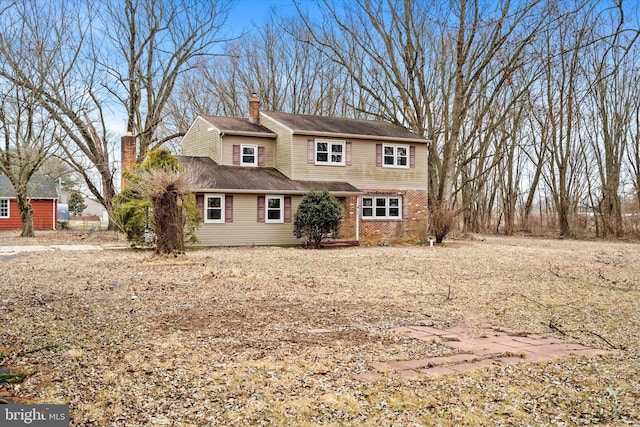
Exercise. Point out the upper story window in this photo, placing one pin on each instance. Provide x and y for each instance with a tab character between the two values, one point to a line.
249	155
395	156
4	208
214	208
381	208
330	152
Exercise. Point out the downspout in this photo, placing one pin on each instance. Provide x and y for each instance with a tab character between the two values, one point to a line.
426	196
358	198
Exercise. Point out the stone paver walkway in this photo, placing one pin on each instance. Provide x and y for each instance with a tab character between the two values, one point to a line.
490	347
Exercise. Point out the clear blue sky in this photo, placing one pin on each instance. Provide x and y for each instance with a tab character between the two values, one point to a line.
247	13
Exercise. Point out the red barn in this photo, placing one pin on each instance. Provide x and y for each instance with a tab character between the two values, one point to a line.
43	194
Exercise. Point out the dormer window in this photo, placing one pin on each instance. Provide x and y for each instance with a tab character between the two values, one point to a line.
330	152
249	155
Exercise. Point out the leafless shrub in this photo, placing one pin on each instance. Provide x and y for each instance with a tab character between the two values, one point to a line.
441	222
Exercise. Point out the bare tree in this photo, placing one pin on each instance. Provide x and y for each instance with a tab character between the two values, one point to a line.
633	152
151	44
75	58
28	137
287	76
612	93
43	51
438	70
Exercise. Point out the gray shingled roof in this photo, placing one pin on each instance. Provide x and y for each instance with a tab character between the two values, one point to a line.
237	125
350	128
40	187
211	176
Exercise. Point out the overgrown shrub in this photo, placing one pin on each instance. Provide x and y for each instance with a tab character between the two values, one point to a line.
157	210
441	221
317	217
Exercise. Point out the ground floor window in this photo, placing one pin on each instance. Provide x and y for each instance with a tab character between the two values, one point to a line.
275	209
214	208
4	208
381	207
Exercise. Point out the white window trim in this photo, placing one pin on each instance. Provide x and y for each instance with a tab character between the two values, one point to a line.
330	143
266	210
395	156
255	155
8	208
373	215
206	208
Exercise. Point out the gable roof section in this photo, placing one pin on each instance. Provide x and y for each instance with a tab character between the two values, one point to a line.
238	126
39	187
210	176
344	128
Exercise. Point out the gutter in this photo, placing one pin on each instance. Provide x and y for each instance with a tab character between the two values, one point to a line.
278	192
248	133
359	136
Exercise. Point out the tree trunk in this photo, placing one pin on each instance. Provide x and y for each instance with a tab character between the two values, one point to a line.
169	223
611	210
563	206
26	212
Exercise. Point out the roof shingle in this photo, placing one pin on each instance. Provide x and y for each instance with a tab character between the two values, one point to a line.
231	125
320	125
39	187
209	175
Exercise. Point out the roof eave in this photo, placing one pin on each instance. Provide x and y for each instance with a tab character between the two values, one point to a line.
263	191
358	136
29	198
246	133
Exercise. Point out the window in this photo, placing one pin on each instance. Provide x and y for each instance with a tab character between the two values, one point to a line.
4	208
249	155
395	156
274	208
381	208
330	152
214	209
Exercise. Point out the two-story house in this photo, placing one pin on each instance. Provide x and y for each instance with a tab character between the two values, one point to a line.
251	174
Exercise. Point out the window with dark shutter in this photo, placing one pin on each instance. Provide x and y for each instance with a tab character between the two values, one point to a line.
405	207
287	209
379	155
260	208
311	151
260	156
228	209
200	204
236	155
412	157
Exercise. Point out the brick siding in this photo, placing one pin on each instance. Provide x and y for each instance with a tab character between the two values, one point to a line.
375	231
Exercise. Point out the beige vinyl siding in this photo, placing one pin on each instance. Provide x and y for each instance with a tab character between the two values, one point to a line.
245	229
199	141
228	141
283	144
362	173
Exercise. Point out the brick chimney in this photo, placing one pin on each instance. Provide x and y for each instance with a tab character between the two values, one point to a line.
254	109
128	157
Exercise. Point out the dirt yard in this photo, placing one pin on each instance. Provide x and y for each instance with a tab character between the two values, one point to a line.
282	336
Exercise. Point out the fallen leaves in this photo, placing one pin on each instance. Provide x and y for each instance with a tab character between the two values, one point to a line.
277	336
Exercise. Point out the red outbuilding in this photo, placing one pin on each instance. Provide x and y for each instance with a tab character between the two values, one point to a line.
43	195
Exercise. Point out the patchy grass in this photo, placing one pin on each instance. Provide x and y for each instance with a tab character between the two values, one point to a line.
233	338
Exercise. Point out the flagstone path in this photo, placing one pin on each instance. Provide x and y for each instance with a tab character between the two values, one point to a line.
489	347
